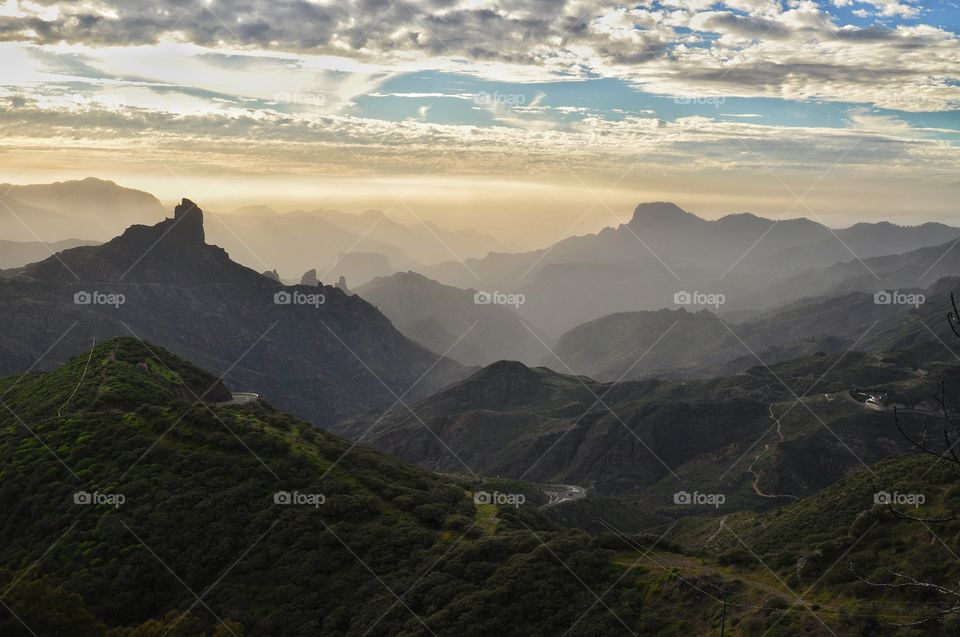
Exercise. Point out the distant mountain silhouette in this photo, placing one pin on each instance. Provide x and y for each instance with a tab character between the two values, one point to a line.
441	317
14	254
682	344
25	223
663	249
639	344
360	246
914	269
359	267
89	209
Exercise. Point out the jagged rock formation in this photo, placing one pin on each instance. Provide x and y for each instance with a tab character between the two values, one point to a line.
310	278
187	222
272	274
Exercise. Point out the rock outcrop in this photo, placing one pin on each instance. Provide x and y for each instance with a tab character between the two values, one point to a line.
187	223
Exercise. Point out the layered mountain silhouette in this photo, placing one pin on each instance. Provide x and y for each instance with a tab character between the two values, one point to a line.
663	250
14	254
678	343
315	350
358	246
910	270
465	324
91	209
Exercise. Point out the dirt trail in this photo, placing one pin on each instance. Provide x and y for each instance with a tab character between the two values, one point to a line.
768	448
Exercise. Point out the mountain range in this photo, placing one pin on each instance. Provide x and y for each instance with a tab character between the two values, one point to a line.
317	351
132	477
257	236
663	250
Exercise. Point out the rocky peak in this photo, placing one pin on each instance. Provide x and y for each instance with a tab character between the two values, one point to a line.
500	382
661	214
187	222
310	278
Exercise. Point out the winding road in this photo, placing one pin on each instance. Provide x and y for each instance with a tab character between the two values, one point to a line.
560	493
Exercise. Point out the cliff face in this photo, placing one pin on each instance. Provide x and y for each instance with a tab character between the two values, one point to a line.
323	355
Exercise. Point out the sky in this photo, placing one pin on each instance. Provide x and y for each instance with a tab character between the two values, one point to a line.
529	120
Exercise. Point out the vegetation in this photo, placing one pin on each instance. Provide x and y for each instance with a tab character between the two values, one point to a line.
183	532
392	550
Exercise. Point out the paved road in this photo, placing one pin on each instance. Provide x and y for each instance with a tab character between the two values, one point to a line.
241	398
560	493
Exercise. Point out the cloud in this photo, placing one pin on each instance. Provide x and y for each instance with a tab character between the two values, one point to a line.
275	142
893	8
253	86
862	119
789	47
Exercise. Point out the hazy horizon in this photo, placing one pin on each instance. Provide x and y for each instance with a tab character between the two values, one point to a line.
535	120
541	223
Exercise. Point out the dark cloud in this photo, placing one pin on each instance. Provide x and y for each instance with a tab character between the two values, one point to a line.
742	26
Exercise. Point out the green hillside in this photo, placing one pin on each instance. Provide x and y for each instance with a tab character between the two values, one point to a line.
184	503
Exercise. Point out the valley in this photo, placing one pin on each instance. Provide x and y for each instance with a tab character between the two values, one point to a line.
710	469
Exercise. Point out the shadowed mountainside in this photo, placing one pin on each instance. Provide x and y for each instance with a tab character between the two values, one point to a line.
323	354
